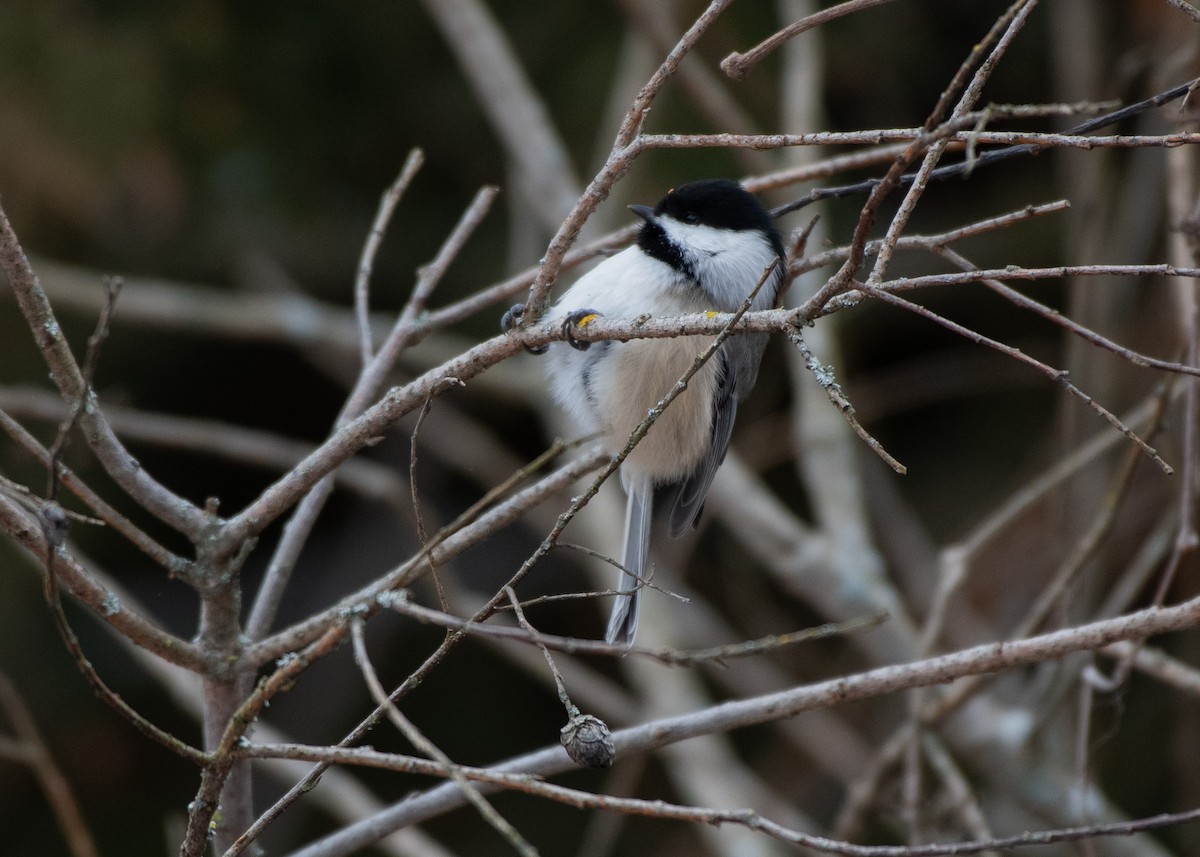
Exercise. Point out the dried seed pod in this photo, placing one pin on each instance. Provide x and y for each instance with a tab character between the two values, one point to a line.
588	741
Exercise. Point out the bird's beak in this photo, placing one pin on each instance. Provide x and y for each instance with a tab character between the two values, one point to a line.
643	211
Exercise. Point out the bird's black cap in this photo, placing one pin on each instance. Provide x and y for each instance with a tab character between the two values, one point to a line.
719	203
722	203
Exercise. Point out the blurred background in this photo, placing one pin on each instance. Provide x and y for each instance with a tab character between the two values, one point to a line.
222	155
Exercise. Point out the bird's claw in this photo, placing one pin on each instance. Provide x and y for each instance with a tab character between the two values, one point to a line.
578	320
512	319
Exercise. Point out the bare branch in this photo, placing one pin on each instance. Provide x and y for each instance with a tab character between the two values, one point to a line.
739	65
27	532
470	528
369	381
497	779
175	565
387	205
112	288
118	463
1007	25
54	549
222	758
399	602
624	151
951	132
988	658
1057	375
823	375
424	745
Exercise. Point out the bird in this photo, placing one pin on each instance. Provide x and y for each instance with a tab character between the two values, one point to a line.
704	247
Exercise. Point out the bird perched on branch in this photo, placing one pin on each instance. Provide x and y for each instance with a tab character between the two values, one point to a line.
706	246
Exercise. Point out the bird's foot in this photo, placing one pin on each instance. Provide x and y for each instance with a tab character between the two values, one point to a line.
512	319
578	320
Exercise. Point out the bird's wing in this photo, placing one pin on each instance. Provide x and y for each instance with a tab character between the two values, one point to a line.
689	500
740	357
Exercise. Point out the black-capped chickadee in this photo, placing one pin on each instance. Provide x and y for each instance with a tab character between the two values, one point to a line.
705	246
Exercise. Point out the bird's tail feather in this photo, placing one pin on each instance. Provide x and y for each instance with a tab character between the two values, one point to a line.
622	624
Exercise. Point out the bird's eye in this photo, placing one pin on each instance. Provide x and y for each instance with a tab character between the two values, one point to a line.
691	217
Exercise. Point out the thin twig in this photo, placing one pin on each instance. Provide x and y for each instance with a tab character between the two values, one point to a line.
738	65
51	530
27	532
711	96
961	132
400	602
825	379
999	38
422	536
369	757
932	134
1077	135
112	288
959	789
1159	665
1057	375
644	580
559	685
366	262
175	565
1055	317
424	745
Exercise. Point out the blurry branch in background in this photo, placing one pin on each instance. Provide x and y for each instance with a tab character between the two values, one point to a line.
26	747
241	665
540	164
706	90
214	438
